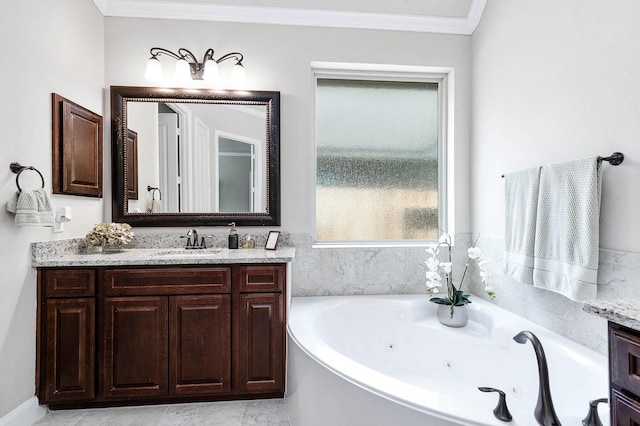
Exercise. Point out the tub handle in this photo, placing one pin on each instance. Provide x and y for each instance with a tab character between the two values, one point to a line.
592	418
501	411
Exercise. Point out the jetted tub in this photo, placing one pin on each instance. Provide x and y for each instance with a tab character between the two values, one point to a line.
386	360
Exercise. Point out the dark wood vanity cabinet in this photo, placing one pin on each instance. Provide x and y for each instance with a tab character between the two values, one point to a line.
66	335
624	374
160	334
258	318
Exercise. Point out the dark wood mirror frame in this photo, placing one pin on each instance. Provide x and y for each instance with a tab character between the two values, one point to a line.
120	95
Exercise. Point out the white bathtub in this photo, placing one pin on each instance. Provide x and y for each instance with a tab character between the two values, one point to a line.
385	360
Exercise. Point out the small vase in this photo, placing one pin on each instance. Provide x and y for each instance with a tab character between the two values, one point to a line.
453	316
110	248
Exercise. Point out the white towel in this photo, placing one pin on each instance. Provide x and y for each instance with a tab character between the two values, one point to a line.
567	229
32	208
154	206
521	204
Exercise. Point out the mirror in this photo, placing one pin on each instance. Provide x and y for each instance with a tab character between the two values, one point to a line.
195	157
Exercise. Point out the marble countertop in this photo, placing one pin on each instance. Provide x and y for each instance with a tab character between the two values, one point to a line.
621	311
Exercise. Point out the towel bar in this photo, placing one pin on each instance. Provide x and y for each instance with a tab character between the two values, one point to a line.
614	159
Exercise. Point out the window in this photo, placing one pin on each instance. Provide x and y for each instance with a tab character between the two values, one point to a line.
380	157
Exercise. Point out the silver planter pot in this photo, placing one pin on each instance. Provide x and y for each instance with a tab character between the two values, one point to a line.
453	316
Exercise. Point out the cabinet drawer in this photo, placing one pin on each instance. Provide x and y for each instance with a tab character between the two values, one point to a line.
624	411
162	281
68	282
260	278
624	359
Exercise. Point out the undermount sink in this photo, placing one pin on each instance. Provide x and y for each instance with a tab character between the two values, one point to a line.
186	253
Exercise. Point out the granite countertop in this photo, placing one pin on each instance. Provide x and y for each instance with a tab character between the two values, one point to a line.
149	251
137	257
621	311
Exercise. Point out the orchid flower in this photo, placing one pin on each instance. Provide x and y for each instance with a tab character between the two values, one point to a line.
434	279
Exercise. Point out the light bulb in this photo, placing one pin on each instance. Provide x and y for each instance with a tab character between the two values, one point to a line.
183	71
211	72
154	70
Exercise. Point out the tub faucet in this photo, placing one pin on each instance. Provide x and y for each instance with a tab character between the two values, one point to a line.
544	411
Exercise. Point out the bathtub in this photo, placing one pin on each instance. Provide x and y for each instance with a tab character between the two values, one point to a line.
385	360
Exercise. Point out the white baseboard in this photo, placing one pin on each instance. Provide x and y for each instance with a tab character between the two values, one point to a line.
25	414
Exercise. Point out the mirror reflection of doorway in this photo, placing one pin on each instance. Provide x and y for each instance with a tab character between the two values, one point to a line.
169	156
236	175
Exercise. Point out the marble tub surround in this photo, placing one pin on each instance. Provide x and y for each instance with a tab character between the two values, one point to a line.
617	279
621	311
323	271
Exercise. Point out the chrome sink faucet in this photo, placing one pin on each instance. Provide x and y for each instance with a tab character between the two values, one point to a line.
544	411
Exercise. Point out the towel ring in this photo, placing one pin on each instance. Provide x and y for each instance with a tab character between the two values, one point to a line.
18	169
153	194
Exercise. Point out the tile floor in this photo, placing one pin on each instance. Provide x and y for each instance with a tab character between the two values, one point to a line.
266	412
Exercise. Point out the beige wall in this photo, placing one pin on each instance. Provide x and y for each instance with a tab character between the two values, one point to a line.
46	47
279	58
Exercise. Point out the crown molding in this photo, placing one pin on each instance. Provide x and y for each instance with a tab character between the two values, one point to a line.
162	9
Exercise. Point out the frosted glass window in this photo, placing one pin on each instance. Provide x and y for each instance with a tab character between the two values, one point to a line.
376	160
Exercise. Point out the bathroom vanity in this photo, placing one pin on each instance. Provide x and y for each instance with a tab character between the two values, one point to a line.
135	327
624	357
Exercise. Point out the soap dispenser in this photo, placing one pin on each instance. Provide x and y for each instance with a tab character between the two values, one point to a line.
233	236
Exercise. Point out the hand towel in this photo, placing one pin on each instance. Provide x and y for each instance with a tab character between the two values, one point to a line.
154	206
32	208
521	205
567	229
12	204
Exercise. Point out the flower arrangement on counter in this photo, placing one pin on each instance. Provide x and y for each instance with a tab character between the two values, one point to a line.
114	234
435	270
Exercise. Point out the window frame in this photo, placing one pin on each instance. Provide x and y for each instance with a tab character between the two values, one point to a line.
444	77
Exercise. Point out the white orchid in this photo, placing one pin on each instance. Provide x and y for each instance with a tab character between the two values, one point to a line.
434	279
432	264
433	276
474	252
432	249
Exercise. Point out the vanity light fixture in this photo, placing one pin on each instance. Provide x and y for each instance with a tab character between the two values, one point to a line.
188	68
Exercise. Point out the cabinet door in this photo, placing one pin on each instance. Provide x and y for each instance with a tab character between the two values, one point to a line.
200	336
135	347
259	339
624	411
69	350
